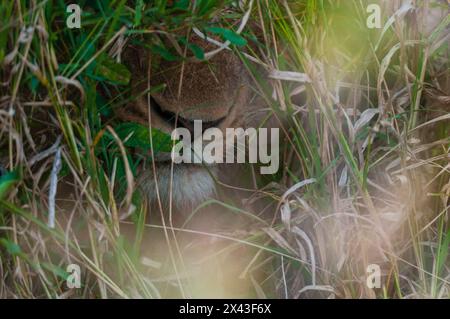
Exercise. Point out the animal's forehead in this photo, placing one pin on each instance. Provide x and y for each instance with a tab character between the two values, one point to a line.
194	83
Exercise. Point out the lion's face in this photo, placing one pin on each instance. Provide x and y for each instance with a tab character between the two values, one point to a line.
217	92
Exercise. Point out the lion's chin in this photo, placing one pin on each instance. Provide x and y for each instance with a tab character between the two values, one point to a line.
187	185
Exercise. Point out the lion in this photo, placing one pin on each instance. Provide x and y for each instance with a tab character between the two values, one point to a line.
219	91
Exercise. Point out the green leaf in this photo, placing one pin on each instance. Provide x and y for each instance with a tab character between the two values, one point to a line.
11	247
195	49
112	71
181	4
205	6
443	251
229	35
7	181
164	53
56	270
198	52
137	135
138	15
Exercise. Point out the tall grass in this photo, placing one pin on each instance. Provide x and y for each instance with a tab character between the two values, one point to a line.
365	177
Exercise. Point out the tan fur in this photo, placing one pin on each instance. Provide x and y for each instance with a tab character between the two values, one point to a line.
217	91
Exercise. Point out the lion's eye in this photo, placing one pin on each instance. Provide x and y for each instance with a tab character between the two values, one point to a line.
171	118
167	116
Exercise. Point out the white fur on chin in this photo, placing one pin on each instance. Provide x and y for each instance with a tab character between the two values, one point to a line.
191	185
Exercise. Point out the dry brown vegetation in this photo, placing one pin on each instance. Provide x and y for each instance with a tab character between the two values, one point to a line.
365	178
